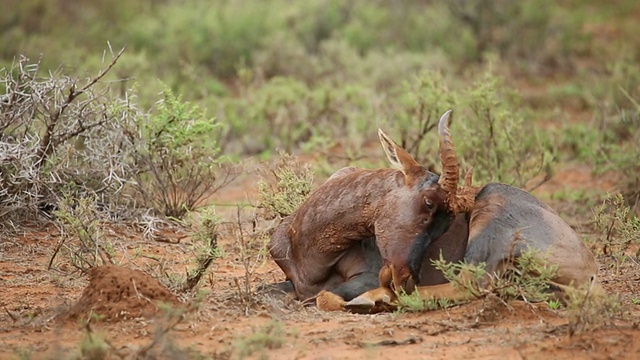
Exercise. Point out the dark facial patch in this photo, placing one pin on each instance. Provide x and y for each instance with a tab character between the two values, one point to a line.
438	226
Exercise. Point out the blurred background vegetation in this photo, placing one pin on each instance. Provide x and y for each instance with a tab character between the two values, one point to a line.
534	83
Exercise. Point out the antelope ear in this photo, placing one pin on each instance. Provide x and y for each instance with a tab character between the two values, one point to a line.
398	156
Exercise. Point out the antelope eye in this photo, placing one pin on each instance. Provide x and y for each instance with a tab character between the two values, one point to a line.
429	204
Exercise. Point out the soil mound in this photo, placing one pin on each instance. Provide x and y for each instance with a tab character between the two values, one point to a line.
118	293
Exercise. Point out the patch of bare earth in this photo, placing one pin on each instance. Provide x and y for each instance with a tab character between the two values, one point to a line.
33	296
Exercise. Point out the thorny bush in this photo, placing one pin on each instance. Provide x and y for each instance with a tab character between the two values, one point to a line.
59	135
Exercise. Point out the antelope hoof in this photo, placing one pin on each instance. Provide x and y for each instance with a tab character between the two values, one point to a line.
360	305
328	301
364	305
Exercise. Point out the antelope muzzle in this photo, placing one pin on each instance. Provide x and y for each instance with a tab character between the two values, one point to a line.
397	278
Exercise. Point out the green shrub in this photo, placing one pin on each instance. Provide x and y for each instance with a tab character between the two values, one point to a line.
619	229
528	278
495	139
284	186
179	157
270	336
82	237
423	101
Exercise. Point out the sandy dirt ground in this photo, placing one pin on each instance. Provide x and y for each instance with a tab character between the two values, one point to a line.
44	311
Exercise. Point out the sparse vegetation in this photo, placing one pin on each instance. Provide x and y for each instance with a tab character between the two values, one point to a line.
619	229
284	186
270	336
81	234
206	248
414	303
251	246
589	309
179	157
123	151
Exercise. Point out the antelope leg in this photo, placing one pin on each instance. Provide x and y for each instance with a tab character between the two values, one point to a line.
447	291
460	290
328	301
373	301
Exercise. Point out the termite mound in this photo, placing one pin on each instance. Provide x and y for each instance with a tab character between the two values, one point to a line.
119	293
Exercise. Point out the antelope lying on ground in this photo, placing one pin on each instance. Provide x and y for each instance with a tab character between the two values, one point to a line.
364	232
502	222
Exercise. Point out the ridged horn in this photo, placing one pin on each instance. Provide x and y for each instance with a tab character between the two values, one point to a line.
450	168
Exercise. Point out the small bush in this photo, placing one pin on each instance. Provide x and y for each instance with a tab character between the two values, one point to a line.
179	157
494	138
425	99
528	278
619	228
284	187
82	236
60	135
270	336
588	309
205	244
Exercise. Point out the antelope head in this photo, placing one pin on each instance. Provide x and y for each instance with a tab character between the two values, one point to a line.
419	210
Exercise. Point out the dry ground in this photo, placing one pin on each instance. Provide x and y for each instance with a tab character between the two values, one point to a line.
35	305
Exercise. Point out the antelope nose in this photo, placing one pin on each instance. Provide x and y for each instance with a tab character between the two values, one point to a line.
402	280
409	285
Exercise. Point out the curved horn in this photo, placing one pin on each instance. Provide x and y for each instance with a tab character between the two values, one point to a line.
450	168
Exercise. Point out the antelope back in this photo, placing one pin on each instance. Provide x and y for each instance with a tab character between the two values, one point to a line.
507	220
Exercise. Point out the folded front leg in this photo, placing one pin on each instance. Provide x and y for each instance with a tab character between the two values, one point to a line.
373	301
462	288
335	298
